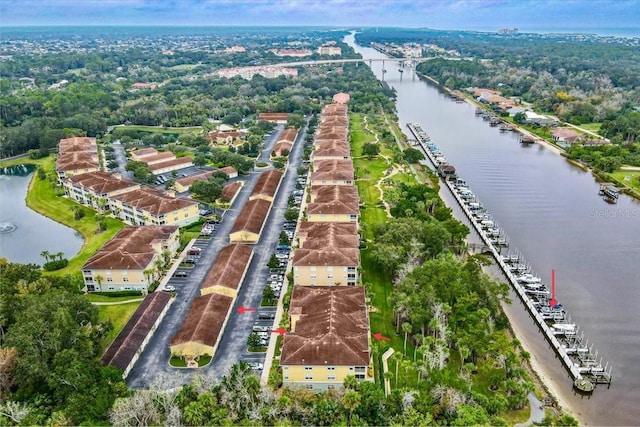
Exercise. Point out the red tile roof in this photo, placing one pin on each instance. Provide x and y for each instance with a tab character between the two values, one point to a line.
229	267
333	328
101	182
334	199
273	117
281	147
186	182
229	170
153	201
165	155
130	339
318	235
332	170
74	160
144	152
341	98
77	143
130	249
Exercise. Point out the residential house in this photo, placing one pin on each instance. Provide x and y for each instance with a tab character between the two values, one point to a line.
153	207
341	98
76	155
285	141
141	153
329	50
334	262
317	235
566	137
334	203
95	189
329	338
230	190
328	149
228	271
130	259
332	172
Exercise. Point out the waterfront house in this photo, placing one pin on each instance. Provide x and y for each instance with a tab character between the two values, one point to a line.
130	260
95	189
153	207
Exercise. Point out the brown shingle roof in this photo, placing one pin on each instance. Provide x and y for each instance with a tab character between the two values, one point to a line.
331	148
186	182
186	161
268	183
332	169
229	267
268	117
331	132
204	320
130	339
334	121
333	328
334	199
153	201
289	135
77	143
101	182
281	147
252	217
318	235
130	249
230	190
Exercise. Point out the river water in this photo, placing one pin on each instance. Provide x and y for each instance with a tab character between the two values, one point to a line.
553	214
24	233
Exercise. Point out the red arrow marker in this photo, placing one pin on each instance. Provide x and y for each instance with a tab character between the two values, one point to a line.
242	309
280	331
379	337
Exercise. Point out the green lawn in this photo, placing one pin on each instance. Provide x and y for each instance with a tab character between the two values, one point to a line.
118	315
593	127
107	298
188	129
43	199
184	67
24	161
628	178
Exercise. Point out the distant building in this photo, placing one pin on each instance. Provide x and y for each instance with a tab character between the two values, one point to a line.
298	53
140	85
341	98
330	50
128	260
267	71
538	119
171	165
277	118
184	184
235	49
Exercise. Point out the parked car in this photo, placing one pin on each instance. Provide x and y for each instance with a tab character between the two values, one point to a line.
267	315
180	274
260	328
194	251
256	366
190	261
169	288
283	248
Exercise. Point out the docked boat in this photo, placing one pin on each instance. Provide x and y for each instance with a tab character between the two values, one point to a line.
528	278
564	328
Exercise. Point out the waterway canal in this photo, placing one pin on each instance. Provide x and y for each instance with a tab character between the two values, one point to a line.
552	213
24	233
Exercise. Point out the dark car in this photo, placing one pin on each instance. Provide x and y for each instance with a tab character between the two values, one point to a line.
179	274
267	316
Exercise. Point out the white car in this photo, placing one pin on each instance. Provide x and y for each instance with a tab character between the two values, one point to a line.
256	366
169	288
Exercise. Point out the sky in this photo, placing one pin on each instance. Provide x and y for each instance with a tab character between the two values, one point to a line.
482	15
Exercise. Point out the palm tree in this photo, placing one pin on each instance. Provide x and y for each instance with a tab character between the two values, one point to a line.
406	328
99	279
148	273
58	255
350	401
45	255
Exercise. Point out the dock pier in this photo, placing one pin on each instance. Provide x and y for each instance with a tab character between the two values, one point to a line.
568	341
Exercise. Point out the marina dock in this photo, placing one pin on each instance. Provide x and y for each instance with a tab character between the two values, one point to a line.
583	363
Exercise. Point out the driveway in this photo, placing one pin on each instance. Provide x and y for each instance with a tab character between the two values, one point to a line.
121	158
152	369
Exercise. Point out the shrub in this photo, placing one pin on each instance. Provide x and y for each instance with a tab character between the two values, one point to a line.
55	265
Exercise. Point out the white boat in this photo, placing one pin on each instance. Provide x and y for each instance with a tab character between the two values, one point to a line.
474	206
528	278
487	223
566	328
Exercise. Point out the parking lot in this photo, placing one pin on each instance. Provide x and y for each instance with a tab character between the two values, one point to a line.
153	363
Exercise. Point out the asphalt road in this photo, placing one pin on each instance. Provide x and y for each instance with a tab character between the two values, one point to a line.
153	369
